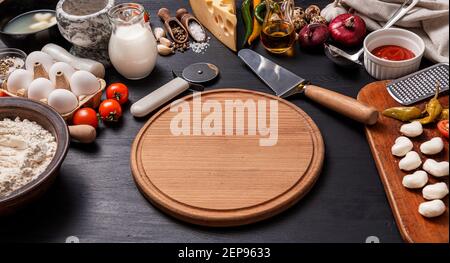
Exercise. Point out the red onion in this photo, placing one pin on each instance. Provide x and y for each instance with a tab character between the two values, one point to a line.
313	36
348	29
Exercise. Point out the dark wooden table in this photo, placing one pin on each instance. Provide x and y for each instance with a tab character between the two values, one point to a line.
96	200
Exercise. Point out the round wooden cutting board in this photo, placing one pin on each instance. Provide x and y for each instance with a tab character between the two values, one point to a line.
222	179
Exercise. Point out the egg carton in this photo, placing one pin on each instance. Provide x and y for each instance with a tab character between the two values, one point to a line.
92	101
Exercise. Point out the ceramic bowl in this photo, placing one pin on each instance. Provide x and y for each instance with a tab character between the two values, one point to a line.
50	120
10	9
387	69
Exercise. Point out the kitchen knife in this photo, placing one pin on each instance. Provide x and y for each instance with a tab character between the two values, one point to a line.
285	83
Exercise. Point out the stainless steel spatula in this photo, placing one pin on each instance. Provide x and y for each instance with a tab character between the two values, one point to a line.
285	83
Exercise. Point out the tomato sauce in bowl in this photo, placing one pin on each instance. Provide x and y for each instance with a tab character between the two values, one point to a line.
393	53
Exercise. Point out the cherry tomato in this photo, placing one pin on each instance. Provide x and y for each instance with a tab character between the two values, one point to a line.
110	110
3	94
443	128
85	116
117	91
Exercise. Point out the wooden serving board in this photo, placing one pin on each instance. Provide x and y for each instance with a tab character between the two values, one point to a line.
404	202
227	180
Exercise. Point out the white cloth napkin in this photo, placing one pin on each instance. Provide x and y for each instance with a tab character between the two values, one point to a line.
428	19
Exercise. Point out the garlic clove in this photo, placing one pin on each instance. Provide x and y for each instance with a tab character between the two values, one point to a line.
164	50
166	42
331	11
432	208
433	146
438	169
402	146
412	129
435	191
159	33
415	180
410	162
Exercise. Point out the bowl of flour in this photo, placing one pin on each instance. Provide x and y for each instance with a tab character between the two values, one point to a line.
34	140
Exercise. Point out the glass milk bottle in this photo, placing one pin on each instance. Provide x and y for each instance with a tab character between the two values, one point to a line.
132	46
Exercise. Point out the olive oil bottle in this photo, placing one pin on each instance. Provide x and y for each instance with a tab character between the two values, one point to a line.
278	30
278	37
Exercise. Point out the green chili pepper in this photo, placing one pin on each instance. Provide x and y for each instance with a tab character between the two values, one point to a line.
403	113
248	21
433	109
260	12
444	115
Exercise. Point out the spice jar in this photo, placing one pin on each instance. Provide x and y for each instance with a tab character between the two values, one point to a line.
132	47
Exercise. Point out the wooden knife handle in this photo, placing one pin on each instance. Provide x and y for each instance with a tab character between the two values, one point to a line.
342	104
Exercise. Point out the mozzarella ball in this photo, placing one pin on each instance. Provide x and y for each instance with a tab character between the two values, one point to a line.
40	88
435	191
412	129
402	146
433	146
438	169
415	180
432	208
62	100
410	162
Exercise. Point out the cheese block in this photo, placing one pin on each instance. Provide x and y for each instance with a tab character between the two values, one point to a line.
219	17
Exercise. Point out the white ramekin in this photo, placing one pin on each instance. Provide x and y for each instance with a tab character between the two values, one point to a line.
386	69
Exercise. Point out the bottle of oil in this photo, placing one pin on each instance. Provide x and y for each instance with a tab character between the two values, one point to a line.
278	32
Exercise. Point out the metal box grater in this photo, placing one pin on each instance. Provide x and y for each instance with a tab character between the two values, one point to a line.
419	85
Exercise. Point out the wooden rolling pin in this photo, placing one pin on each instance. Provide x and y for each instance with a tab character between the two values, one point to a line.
83	133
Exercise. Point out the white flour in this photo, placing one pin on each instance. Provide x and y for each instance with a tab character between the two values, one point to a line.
26	149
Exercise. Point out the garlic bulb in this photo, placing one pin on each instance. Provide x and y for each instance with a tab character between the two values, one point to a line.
332	10
159	33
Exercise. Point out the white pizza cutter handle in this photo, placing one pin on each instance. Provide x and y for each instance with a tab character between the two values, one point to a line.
158	97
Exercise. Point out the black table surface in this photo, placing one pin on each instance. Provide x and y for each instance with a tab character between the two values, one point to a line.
96	200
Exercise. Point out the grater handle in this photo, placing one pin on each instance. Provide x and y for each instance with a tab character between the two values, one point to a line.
342	104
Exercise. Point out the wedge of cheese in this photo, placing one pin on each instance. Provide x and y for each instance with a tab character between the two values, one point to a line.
219	17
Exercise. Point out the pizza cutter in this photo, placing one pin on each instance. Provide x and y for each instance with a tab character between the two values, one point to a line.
193	75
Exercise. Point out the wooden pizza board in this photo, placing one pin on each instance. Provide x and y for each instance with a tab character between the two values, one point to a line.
224	180
404	202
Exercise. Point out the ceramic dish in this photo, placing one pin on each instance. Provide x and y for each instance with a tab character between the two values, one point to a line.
50	120
10	9
387	69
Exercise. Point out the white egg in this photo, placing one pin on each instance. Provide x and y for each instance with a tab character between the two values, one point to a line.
38	57
63	67
62	100
19	79
40	88
84	83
